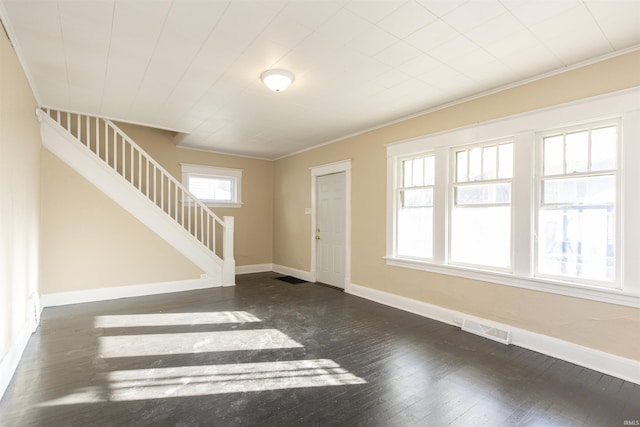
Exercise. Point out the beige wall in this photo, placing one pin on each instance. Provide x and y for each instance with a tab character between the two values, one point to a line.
88	241
253	237
606	327
19	198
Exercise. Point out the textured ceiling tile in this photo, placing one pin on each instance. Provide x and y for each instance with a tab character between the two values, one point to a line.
374	10
407	19
343	27
474	14
310	14
495	29
432	36
441	7
398	54
478	57
518	42
372	41
455	48
420	65
619	21
285	32
533	12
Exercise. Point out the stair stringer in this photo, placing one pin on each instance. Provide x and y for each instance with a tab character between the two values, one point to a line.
75	154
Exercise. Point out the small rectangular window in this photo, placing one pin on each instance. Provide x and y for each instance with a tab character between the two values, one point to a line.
211	189
577	211
213	185
415	208
481	211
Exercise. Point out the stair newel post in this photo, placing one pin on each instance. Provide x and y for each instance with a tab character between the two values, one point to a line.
229	266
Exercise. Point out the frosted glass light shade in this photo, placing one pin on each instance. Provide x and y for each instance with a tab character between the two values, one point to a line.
277	80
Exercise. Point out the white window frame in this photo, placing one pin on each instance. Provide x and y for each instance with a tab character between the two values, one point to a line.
540	177
235	175
524	129
454	183
399	188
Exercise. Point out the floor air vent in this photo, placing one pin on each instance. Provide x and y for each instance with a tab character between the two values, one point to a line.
486	331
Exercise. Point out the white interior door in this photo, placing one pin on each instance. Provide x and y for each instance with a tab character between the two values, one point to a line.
330	229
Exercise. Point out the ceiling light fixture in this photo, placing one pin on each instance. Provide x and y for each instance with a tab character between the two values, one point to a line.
277	80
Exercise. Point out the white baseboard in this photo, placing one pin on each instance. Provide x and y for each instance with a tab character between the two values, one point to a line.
626	369
300	274
9	362
103	294
255	268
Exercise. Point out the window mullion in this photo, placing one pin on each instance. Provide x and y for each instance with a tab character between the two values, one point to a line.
564	153
629	209
393	200
440	205
522	203
467	178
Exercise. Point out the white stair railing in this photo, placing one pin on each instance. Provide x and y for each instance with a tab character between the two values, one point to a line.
123	155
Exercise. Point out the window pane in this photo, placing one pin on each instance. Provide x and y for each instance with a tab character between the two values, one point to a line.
553	155
461	166
577	242
597	190
418	172
429	170
483	194
505	161
415	213
223	189
489	162
481	236
407	168
415	232
210	189
577	151
417	198
603	148
475	164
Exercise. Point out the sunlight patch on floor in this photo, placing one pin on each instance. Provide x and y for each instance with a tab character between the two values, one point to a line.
193	342
173	319
189	381
233	378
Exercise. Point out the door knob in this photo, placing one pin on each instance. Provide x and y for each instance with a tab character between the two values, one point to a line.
317	237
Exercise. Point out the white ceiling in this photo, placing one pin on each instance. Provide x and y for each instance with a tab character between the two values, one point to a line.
193	65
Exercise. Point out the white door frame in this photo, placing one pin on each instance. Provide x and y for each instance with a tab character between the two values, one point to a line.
327	169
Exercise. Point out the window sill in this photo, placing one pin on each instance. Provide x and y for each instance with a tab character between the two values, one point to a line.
611	296
222	205
214	204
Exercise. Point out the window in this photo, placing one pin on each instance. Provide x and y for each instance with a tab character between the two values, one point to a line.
577	231
215	186
415	212
481	212
546	200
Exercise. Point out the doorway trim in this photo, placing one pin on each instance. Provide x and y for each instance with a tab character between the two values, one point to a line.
328	169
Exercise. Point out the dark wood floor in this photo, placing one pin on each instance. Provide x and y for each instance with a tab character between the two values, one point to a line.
270	353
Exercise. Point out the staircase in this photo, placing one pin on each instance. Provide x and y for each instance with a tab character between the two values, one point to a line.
104	155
